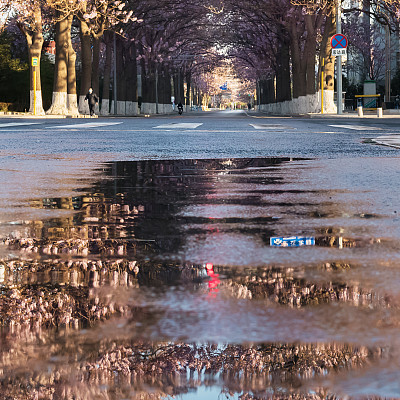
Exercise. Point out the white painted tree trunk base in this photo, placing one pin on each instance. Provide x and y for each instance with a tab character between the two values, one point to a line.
105	107
83	105
329	104
148	108
131	108
302	105
112	109
58	104
121	107
39	102
72	102
168	108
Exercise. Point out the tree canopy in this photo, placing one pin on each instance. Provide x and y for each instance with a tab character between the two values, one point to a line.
263	41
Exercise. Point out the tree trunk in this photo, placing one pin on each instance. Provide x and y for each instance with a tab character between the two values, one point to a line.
283	87
193	95
64	72
167	92
176	90
95	65
265	88
86	59
34	41
148	88
270	91
181	86
161	89
298	67
72	102
310	50
329	64
131	80
105	103
121	83
326	53
188	84
95	69
178	82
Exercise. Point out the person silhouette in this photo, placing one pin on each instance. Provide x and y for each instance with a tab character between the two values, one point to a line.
92	99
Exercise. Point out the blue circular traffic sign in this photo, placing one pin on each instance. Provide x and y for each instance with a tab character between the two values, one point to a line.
339	41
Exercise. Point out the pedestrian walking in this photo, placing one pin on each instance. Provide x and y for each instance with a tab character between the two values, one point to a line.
92	99
397	102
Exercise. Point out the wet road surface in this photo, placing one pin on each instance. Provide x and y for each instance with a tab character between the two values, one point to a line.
234	258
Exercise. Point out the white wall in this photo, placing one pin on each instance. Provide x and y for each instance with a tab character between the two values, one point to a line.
302	105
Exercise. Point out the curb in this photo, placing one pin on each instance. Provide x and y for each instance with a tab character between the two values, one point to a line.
12	114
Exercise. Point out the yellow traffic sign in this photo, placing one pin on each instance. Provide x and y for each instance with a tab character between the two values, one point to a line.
35	61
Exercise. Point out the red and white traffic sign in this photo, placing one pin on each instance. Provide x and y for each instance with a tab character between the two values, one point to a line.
339	41
339	45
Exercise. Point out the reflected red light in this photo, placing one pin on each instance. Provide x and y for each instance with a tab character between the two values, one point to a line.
212	285
214	281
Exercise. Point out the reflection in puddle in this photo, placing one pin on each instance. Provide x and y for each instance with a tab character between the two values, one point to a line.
164	280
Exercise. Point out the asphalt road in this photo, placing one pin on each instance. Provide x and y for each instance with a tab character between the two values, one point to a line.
323	178
195	135
45	157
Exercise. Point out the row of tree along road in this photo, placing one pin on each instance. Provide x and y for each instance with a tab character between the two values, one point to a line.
274	47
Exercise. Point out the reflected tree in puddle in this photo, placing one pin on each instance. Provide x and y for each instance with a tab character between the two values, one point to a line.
84	293
130	368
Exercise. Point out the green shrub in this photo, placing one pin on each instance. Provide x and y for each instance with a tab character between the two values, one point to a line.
14	77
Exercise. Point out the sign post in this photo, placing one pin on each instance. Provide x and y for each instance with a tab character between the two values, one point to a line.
339	41
35	63
322	86
339	49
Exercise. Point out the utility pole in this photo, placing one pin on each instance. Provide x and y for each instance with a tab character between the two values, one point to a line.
339	60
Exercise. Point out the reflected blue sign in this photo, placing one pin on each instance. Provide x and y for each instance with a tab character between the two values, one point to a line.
293	241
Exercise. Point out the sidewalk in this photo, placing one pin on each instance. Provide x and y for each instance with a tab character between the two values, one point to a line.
385	139
354	114
15	114
389	139
346	114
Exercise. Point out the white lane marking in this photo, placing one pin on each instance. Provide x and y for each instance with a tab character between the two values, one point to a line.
87	125
178	125
357	127
265	126
270	126
393	141
9	124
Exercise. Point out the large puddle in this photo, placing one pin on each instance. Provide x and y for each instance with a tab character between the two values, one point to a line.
202	279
